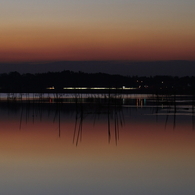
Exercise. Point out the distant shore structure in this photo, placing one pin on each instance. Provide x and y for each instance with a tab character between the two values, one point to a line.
99	88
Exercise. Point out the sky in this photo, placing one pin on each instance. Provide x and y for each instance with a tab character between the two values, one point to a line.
142	30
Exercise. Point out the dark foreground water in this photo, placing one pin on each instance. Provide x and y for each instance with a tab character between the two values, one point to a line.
144	146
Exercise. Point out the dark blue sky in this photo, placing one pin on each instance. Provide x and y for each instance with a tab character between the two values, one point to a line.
172	68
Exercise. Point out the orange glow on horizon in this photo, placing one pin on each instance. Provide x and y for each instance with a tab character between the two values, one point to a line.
75	44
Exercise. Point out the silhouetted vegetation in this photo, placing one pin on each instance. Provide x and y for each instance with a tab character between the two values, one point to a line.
44	82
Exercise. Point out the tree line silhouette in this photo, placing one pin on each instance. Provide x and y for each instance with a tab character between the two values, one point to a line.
15	82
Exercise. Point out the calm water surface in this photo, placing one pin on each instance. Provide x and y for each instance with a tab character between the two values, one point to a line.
144	146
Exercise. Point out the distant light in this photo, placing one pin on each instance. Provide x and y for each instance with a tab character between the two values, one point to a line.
50	87
97	88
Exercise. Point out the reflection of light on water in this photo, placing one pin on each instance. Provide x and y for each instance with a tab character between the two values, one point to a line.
49	96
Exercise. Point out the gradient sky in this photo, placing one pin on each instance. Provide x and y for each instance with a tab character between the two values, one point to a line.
97	30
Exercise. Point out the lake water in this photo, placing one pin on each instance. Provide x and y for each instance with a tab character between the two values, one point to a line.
141	145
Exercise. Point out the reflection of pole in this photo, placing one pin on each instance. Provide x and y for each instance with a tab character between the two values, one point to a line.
58	113
75	127
33	107
109	134
157	104
116	118
175	110
193	116
79	135
168	111
193	112
59	118
79	115
21	117
116	127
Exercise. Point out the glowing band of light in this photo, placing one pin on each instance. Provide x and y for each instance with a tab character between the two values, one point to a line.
98	88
